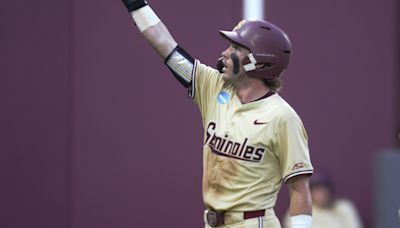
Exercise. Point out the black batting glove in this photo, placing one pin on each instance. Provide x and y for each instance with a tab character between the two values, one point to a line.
133	5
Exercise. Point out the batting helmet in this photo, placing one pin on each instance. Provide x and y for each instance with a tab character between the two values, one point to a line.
268	45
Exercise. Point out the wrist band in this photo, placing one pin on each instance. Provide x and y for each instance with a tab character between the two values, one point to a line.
133	5
144	18
301	221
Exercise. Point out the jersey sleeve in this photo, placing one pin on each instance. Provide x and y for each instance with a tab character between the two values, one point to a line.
293	152
206	84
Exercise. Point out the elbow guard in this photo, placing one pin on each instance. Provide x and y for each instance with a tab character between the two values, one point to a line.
181	64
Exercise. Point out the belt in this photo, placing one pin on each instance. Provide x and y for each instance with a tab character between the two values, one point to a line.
217	218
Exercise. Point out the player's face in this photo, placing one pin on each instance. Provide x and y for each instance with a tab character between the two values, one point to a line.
228	70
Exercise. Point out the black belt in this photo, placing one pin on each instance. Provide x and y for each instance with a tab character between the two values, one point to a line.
217	218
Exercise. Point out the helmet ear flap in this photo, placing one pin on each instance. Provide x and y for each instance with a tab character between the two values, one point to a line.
269	65
251	63
263	66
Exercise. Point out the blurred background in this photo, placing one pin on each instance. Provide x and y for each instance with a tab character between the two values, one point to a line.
96	132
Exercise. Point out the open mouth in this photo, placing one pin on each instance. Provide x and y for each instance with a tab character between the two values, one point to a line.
224	67
221	65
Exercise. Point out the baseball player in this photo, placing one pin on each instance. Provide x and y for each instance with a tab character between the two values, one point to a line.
253	140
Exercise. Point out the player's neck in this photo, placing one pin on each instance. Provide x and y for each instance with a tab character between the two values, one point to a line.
251	90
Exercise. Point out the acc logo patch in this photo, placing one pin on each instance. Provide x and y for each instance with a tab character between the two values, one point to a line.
223	97
298	166
239	25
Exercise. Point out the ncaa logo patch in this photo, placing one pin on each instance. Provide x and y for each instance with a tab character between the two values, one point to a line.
223	97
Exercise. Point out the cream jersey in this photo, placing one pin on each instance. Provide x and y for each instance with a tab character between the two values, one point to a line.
249	149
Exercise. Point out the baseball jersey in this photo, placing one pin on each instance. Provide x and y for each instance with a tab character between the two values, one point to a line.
249	149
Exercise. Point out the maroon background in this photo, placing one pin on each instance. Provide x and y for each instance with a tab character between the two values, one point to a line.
95	132
34	93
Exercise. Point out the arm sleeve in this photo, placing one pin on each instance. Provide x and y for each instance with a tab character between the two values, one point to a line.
293	152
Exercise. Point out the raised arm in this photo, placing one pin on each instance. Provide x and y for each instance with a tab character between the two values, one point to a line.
156	33
151	27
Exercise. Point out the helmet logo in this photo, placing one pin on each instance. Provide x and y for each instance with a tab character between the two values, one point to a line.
239	25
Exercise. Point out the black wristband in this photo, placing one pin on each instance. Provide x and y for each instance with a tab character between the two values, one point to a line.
133	5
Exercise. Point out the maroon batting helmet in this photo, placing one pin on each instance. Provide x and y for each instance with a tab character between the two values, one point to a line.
268	44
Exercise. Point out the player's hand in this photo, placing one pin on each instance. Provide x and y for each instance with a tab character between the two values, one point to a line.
133	5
